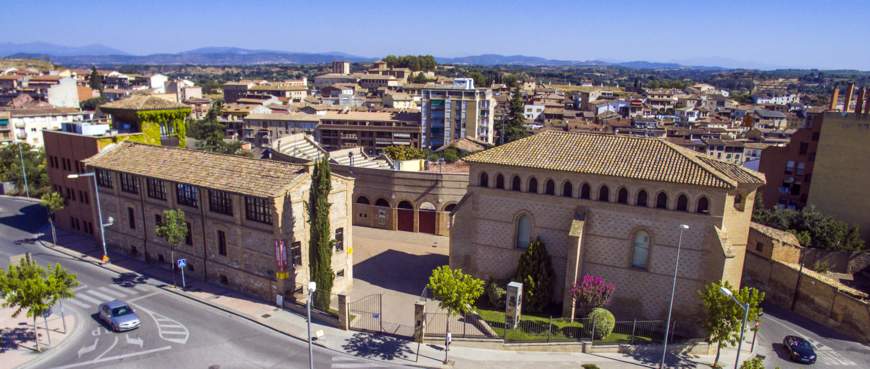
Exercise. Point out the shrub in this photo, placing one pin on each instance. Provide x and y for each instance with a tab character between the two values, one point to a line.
495	293
754	363
535	272
592	292
603	321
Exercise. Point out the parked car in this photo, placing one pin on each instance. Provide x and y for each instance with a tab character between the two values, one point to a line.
799	350
119	315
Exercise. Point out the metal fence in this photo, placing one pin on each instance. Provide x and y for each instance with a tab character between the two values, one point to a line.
557	329
459	326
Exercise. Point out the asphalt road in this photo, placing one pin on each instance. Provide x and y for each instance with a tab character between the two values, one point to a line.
175	332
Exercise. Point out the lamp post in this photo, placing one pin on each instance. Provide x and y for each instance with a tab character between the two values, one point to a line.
23	171
745	308
683	227
312	286
93	175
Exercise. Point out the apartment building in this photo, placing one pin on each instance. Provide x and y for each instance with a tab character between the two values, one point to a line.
341	67
5	128
27	124
246	217
262	129
372	131
452	112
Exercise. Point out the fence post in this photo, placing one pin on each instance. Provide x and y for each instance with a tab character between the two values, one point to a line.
633	327
593	332
464	324
342	312
381	311
673	328
549	328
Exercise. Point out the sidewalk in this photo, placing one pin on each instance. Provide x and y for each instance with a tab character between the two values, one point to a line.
384	348
17	345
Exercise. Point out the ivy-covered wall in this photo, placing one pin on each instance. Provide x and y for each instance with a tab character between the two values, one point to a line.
151	120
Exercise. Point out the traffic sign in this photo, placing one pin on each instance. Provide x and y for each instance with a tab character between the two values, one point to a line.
182	263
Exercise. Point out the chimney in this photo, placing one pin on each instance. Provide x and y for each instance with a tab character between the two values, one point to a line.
834	96
850	91
859	104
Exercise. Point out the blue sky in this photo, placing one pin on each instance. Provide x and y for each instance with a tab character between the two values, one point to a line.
800	33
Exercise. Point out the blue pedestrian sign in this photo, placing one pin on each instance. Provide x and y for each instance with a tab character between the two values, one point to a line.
182	263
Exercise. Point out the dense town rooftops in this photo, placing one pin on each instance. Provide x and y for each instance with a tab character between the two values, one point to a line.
649	159
291	117
231	173
143	102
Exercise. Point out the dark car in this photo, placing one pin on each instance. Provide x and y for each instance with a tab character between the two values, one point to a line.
799	350
119	315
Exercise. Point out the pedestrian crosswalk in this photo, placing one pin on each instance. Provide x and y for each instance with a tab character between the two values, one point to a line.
345	362
88	297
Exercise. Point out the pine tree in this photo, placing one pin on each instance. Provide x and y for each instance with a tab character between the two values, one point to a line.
513	127
535	272
95	81
320	241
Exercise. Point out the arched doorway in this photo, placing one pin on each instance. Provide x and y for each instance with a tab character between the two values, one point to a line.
405	214
427	215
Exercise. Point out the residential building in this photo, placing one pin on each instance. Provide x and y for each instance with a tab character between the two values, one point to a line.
726	150
789	168
6	135
531	112
65	94
399	100
157	83
452	112
372	131
162	119
769	119
238	212
262	129
234	90
775	98
28	123
341	67
612	206
289	90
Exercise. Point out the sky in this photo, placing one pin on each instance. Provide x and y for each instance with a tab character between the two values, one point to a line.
765	33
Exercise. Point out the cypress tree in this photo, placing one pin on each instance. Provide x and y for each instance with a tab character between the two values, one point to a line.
320	240
535	272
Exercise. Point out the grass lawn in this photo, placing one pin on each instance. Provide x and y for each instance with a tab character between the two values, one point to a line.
534	328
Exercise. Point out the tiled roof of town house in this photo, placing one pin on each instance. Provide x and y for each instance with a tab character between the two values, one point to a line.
650	159
231	173
143	102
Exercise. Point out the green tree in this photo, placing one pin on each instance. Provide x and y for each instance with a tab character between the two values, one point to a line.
53	203
95	81
93	103
480	80
26	287
753	363
34	166
61	284
723	317
455	291
535	271
419	78
813	228
173	230
513	126
320	239
404	152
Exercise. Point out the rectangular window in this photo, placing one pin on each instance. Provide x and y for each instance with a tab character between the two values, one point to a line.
296	252
129	183
258	209
131	216
220	202
188	238
222	243
158	220
104	178
789	167
803	148
759	247
187	195
156	188
339	239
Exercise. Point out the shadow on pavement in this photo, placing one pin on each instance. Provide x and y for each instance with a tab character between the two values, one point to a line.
652	356
30	219
379	346
10	339
399	271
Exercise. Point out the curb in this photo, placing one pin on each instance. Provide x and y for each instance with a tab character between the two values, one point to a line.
167	288
39	359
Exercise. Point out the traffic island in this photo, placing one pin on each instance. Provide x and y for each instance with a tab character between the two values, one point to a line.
18	337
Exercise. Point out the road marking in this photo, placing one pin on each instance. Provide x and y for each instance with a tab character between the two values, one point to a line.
87	349
80	287
78	303
142	297
122	289
350	365
135	341
110	349
116	357
164	323
141	287
112	292
828	356
105	297
87	298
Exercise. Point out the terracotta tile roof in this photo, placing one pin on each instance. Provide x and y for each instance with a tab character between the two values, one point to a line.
143	102
650	159
263	178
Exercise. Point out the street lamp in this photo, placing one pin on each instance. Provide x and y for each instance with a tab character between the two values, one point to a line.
312	286
23	171
745	307
93	175
683	227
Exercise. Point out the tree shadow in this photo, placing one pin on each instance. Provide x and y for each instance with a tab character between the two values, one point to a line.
651	355
29	219
379	346
12	339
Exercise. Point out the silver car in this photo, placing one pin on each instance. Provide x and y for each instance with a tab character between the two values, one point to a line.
119	315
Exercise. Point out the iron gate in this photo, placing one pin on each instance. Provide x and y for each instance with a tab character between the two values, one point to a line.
365	314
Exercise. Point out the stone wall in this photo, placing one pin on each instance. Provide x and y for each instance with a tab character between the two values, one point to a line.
812	295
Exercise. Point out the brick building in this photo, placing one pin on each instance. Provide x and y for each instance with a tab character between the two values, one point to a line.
611	206
236	208
789	168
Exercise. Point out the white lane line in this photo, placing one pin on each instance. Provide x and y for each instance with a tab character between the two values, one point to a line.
112	292
101	295
141	287
142	297
87	298
80	287
121	289
834	355
116	357
107	351
79	304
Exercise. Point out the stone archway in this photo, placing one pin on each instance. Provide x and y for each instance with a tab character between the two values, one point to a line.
405	214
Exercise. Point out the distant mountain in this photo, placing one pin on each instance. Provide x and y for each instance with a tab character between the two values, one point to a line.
729	63
496	59
44	48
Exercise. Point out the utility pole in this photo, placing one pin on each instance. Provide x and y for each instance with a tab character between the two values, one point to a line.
23	171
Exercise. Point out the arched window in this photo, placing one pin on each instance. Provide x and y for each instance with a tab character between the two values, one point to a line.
362	200
499	181
533	185
406	205
484	179
604	194
450	208
703	205
622	196
640	256
550	187
641	199
524	231
568	189
382	202
682	203
662	201
584	191
515	184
